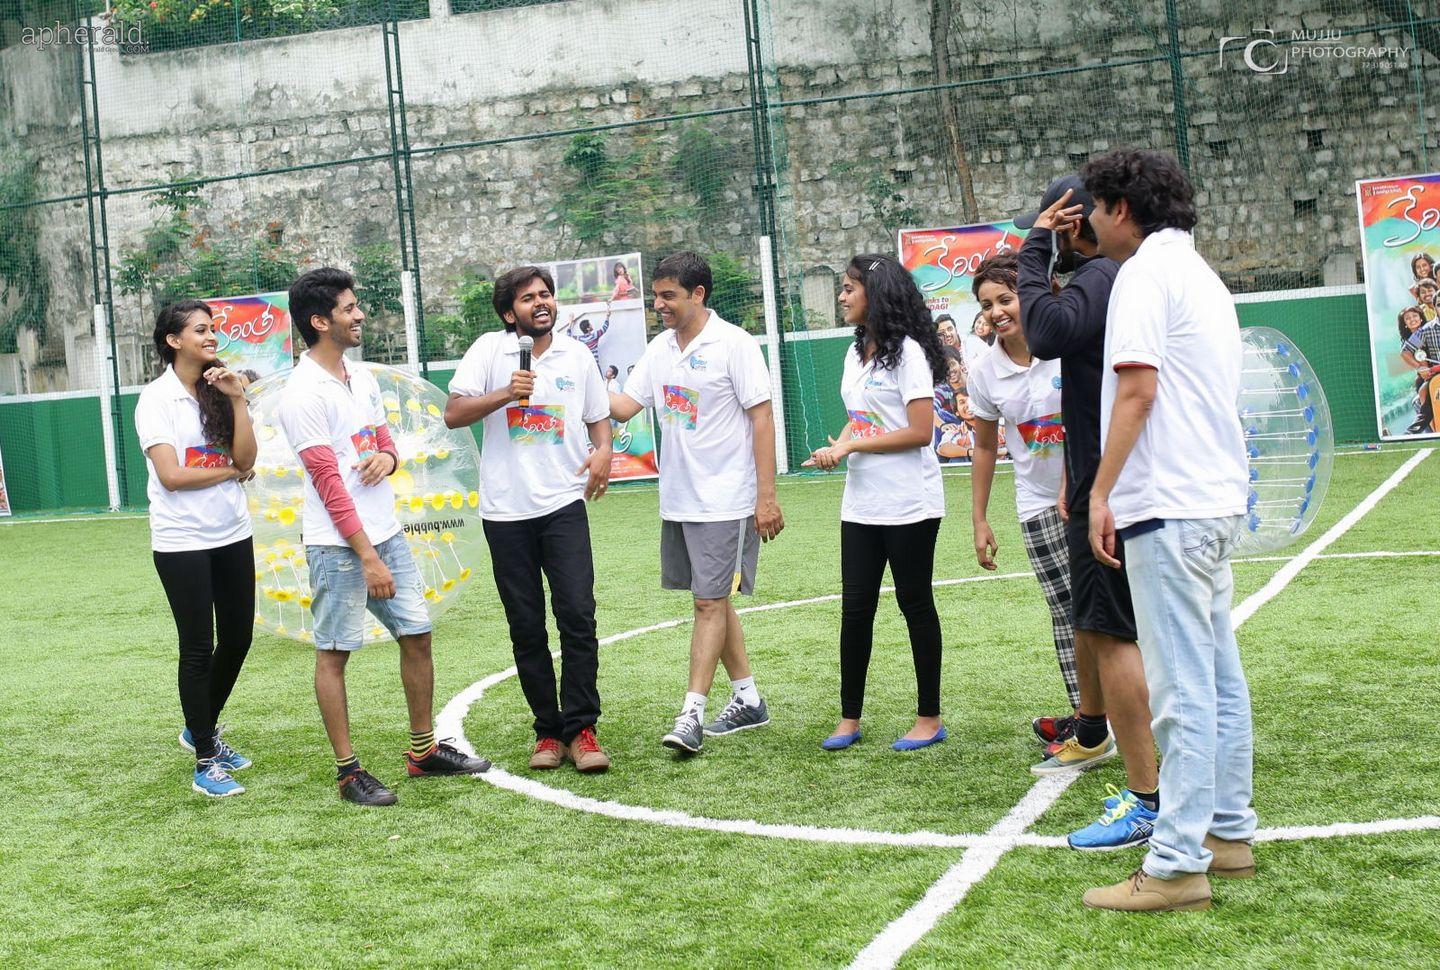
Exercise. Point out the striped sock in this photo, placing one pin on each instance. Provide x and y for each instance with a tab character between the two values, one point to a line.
422	743
346	766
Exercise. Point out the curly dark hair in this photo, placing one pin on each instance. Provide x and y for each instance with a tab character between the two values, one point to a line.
1153	183
217	419
896	310
1400	320
1002	268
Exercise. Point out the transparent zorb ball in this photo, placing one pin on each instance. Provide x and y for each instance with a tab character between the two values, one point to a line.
1289	440
437	502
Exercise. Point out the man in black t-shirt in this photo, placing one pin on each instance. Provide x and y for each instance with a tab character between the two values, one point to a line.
1070	325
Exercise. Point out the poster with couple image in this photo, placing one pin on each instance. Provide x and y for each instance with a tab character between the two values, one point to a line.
602	305
942	262
1400	238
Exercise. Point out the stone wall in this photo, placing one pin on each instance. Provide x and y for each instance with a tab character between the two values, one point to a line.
1274	157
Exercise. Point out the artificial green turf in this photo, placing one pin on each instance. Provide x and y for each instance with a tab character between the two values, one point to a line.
108	858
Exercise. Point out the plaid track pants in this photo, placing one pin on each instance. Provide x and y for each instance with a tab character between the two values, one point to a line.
1049	555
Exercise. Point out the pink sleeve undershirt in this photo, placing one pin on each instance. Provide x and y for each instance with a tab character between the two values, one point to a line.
324	470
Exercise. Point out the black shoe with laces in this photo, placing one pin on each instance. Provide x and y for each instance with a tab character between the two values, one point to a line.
1053	730
363	788
444	759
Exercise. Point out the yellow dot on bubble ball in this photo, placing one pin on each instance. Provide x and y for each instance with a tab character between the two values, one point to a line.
421	458
473	499
392	416
430	593
253	503
305	601
402	482
417	504
433	410
259	619
269	557
447	537
465	574
412	405
392	403
287	516
305	635
280	629
447	584
438	500
375	631
281	471
284	595
259	576
442	453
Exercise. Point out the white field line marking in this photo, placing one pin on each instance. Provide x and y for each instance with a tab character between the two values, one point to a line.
947	891
906	930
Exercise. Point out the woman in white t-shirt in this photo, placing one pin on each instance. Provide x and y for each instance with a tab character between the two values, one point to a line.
194	427
894	497
1008	384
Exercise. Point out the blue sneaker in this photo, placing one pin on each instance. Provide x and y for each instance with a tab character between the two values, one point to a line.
213	780
1125	823
228	756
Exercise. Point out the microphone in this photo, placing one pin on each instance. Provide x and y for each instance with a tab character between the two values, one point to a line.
526	345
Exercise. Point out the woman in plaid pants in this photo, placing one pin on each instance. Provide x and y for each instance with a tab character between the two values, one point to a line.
1008	384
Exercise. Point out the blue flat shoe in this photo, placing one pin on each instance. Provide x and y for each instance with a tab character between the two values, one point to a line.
905	744
839	742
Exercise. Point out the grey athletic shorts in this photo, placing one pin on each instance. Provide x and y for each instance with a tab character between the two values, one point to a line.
705	557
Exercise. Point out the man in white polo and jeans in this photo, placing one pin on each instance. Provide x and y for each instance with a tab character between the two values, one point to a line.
359	560
707	381
1172	484
546	450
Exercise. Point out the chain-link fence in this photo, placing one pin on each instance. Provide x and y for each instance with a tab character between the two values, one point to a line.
207	148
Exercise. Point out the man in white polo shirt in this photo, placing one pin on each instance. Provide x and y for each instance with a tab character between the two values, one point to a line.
1172	484
333	418
707	381
545	451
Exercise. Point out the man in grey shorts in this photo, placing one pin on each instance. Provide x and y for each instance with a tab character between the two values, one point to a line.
707	381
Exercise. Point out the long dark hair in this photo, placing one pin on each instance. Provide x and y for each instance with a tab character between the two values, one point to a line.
895	310
217	420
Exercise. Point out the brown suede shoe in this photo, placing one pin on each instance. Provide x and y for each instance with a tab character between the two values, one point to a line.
1143	893
585	751
1232	859
549	753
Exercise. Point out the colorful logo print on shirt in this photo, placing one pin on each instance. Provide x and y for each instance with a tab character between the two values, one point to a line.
1043	436
365	442
681	406
866	424
536	424
207	456
564	384
697	362
874	383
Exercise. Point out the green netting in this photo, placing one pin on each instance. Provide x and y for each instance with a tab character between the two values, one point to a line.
228	145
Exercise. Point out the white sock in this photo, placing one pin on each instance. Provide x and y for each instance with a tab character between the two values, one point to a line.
745	690
694	704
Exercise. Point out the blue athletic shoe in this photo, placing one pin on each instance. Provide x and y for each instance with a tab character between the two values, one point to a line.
1125	823
228	756
187	743
839	742
905	744
213	780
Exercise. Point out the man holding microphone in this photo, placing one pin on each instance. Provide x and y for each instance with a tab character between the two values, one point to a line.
545	452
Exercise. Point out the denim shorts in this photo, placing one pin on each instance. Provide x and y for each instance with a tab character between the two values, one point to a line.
337	583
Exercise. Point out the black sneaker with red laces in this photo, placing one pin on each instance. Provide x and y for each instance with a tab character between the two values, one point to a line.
444	759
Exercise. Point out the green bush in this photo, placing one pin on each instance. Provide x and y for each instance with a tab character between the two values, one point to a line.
24	280
175	24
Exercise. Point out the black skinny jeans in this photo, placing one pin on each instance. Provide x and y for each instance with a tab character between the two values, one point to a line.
558	544
910	551
212	596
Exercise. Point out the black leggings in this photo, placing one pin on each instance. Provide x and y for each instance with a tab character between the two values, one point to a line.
910	550
212	596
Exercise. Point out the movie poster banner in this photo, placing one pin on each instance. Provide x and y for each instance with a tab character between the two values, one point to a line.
1400	238
602	305
254	333
943	263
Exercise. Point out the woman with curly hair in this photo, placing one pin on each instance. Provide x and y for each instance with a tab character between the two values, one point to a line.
894	497
194	426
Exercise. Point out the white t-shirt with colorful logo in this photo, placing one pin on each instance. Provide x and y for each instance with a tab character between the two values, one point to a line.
319	409
190	519
1027	399
528	455
700	394
899	487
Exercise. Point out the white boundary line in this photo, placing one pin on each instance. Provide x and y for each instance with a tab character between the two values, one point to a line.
906	930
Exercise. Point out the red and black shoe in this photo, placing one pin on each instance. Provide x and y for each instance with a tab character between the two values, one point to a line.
1054	730
444	759
362	788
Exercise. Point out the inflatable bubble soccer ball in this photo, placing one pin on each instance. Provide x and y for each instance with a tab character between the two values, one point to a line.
437	502
1289	441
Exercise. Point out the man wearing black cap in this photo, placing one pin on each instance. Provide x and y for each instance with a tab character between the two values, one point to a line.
1070	325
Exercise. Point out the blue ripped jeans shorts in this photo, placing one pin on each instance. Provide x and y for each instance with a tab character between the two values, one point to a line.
337	583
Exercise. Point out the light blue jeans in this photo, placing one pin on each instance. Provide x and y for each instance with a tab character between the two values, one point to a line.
1181	585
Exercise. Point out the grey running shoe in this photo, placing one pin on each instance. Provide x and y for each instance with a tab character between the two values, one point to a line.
738	716
686	735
